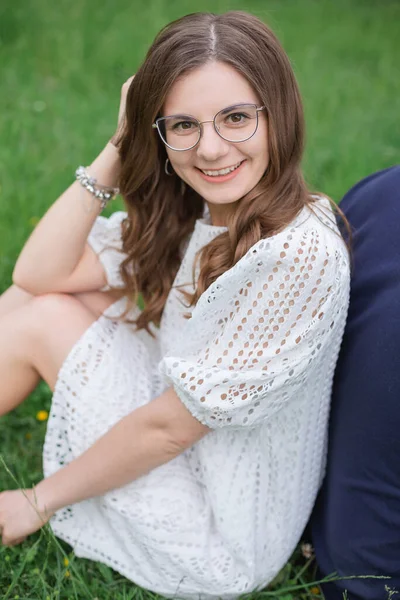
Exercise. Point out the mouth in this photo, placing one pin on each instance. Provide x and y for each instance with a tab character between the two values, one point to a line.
219	175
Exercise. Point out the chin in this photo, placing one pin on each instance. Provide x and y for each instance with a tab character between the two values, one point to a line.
226	196
220	200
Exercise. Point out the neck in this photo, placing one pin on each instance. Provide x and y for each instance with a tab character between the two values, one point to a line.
219	214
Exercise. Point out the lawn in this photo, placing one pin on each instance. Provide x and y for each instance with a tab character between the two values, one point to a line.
61	68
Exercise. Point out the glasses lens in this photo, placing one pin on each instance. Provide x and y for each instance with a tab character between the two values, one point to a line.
179	131
237	123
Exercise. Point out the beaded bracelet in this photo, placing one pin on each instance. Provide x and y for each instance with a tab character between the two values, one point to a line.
103	193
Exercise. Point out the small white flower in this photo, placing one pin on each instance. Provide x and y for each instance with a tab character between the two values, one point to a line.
307	551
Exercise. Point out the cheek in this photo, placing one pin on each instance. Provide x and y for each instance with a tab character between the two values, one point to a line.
263	154
260	161
181	163
259	154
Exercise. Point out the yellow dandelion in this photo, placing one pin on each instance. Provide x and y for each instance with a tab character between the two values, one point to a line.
66	562
33	221
28	436
67	574
42	415
315	591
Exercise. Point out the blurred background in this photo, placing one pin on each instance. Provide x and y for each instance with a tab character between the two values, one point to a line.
62	65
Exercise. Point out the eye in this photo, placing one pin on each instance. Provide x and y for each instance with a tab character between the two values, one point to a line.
236	118
183	126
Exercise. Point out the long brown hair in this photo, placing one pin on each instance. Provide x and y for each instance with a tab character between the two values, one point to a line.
162	212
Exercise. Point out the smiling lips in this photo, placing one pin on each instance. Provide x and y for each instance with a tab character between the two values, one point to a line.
215	173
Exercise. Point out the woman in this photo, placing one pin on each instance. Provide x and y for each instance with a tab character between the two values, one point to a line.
186	441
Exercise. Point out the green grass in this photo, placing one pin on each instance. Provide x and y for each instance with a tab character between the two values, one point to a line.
61	68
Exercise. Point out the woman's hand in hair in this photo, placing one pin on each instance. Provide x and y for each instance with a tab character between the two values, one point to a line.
121	114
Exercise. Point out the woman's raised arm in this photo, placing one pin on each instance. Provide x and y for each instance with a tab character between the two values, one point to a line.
57	244
56	255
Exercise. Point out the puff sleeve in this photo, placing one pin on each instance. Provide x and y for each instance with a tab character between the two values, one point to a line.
263	329
105	239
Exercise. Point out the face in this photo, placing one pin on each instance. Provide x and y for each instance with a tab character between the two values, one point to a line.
201	94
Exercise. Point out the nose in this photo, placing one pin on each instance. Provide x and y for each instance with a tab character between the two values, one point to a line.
211	145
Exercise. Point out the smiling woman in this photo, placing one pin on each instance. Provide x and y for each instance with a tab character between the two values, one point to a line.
186	441
229	146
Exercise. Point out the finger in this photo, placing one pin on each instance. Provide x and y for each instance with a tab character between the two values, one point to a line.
11	541
5	539
16	542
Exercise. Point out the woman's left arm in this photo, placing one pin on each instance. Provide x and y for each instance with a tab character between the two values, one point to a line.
148	437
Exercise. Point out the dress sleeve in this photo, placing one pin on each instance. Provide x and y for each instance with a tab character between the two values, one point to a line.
261	328
105	239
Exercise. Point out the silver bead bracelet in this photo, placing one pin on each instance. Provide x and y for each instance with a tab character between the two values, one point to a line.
103	193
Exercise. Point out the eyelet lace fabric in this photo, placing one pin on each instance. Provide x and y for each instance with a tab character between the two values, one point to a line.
255	363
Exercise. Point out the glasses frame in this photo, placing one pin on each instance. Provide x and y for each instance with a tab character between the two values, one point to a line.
156	125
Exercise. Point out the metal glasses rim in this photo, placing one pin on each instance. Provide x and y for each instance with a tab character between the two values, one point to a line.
155	125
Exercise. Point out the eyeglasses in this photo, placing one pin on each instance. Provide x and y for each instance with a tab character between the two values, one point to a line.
236	124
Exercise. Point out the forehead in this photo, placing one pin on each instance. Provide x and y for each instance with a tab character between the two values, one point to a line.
208	89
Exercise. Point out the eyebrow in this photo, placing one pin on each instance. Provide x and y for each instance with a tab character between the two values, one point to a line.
229	108
222	110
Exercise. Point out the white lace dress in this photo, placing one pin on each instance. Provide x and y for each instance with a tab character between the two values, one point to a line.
254	363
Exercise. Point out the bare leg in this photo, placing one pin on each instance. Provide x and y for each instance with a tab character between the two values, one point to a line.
36	337
13	298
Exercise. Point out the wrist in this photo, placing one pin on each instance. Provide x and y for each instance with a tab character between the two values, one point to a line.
103	193
46	496
106	167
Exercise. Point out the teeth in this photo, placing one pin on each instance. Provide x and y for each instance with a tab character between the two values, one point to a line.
222	171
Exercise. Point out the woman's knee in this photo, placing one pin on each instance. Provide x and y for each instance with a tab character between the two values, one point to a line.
53	323
12	298
97	302
55	311
52	305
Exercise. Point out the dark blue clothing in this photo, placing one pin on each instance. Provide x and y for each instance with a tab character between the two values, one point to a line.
355	525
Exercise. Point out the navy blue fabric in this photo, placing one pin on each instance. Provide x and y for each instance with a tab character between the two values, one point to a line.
355	525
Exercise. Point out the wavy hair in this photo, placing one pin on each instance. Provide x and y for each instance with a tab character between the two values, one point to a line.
161	213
